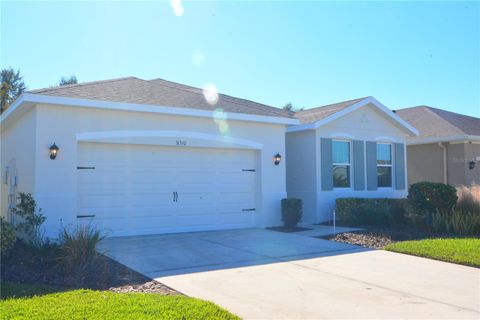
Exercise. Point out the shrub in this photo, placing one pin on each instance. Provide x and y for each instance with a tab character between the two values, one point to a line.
429	197
292	211
468	198
7	235
78	247
370	211
30	220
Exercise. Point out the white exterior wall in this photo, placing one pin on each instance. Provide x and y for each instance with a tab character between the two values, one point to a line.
368	124
18	154
55	183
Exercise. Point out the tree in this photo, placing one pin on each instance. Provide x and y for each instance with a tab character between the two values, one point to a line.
65	81
289	107
12	87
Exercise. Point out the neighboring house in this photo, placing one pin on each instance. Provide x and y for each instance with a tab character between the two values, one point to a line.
354	148
144	157
447	149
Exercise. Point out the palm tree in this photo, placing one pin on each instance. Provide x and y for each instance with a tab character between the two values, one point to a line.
12	87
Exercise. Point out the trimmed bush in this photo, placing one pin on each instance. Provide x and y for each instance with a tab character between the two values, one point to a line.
292	211
7	235
371	211
430	197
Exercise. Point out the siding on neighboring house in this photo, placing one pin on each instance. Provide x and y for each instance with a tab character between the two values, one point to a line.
425	163
472	151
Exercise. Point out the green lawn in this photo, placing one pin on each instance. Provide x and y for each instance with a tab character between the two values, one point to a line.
463	251
88	304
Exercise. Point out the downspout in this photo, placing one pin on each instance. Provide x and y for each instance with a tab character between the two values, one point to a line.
441	145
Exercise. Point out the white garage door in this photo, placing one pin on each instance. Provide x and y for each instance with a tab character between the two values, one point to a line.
139	189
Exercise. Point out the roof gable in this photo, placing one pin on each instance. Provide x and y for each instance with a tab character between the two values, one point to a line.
316	117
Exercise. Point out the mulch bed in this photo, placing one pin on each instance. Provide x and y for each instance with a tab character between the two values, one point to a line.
23	264
378	238
288	230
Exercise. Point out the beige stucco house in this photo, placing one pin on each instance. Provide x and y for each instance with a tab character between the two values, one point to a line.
447	149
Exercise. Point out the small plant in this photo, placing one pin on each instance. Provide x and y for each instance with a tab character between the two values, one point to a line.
457	222
78	247
7	235
292	211
31	219
428	197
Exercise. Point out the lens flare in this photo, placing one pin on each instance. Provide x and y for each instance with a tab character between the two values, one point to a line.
220	119
198	59
210	93
177	7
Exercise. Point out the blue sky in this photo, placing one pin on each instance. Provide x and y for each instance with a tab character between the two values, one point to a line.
307	53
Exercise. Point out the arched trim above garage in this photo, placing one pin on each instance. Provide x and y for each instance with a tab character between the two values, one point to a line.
168	138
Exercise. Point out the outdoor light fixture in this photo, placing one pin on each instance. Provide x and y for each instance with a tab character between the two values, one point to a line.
53	151
471	165
277	158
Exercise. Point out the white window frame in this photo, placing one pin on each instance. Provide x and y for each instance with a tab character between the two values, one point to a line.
349	164
391	165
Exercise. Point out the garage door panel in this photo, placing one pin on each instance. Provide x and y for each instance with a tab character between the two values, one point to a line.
139	189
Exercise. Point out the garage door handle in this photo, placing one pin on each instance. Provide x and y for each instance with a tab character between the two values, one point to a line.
175	196
251	209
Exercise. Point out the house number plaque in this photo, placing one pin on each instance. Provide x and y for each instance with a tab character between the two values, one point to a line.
181	142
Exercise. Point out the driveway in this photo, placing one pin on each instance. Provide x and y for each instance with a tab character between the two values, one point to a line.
261	274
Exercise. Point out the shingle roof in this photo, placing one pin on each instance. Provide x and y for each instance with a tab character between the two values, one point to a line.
318	113
159	92
437	123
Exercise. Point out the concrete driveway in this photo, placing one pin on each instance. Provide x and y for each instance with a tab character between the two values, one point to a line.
261	274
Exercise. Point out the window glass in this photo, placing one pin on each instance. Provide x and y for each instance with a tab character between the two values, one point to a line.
341	176
341	151
341	163
384	154
384	177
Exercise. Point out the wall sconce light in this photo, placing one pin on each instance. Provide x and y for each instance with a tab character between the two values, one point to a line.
277	158
471	165
53	151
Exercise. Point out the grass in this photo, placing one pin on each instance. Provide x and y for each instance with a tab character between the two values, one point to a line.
88	304
462	251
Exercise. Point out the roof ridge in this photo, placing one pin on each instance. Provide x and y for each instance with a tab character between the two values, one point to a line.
332	104
82	84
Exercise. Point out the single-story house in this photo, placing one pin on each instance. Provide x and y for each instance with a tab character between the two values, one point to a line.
142	157
353	148
447	149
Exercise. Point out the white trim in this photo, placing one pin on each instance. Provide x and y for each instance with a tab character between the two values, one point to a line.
101	136
110	105
370	100
341	136
386	139
451	139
